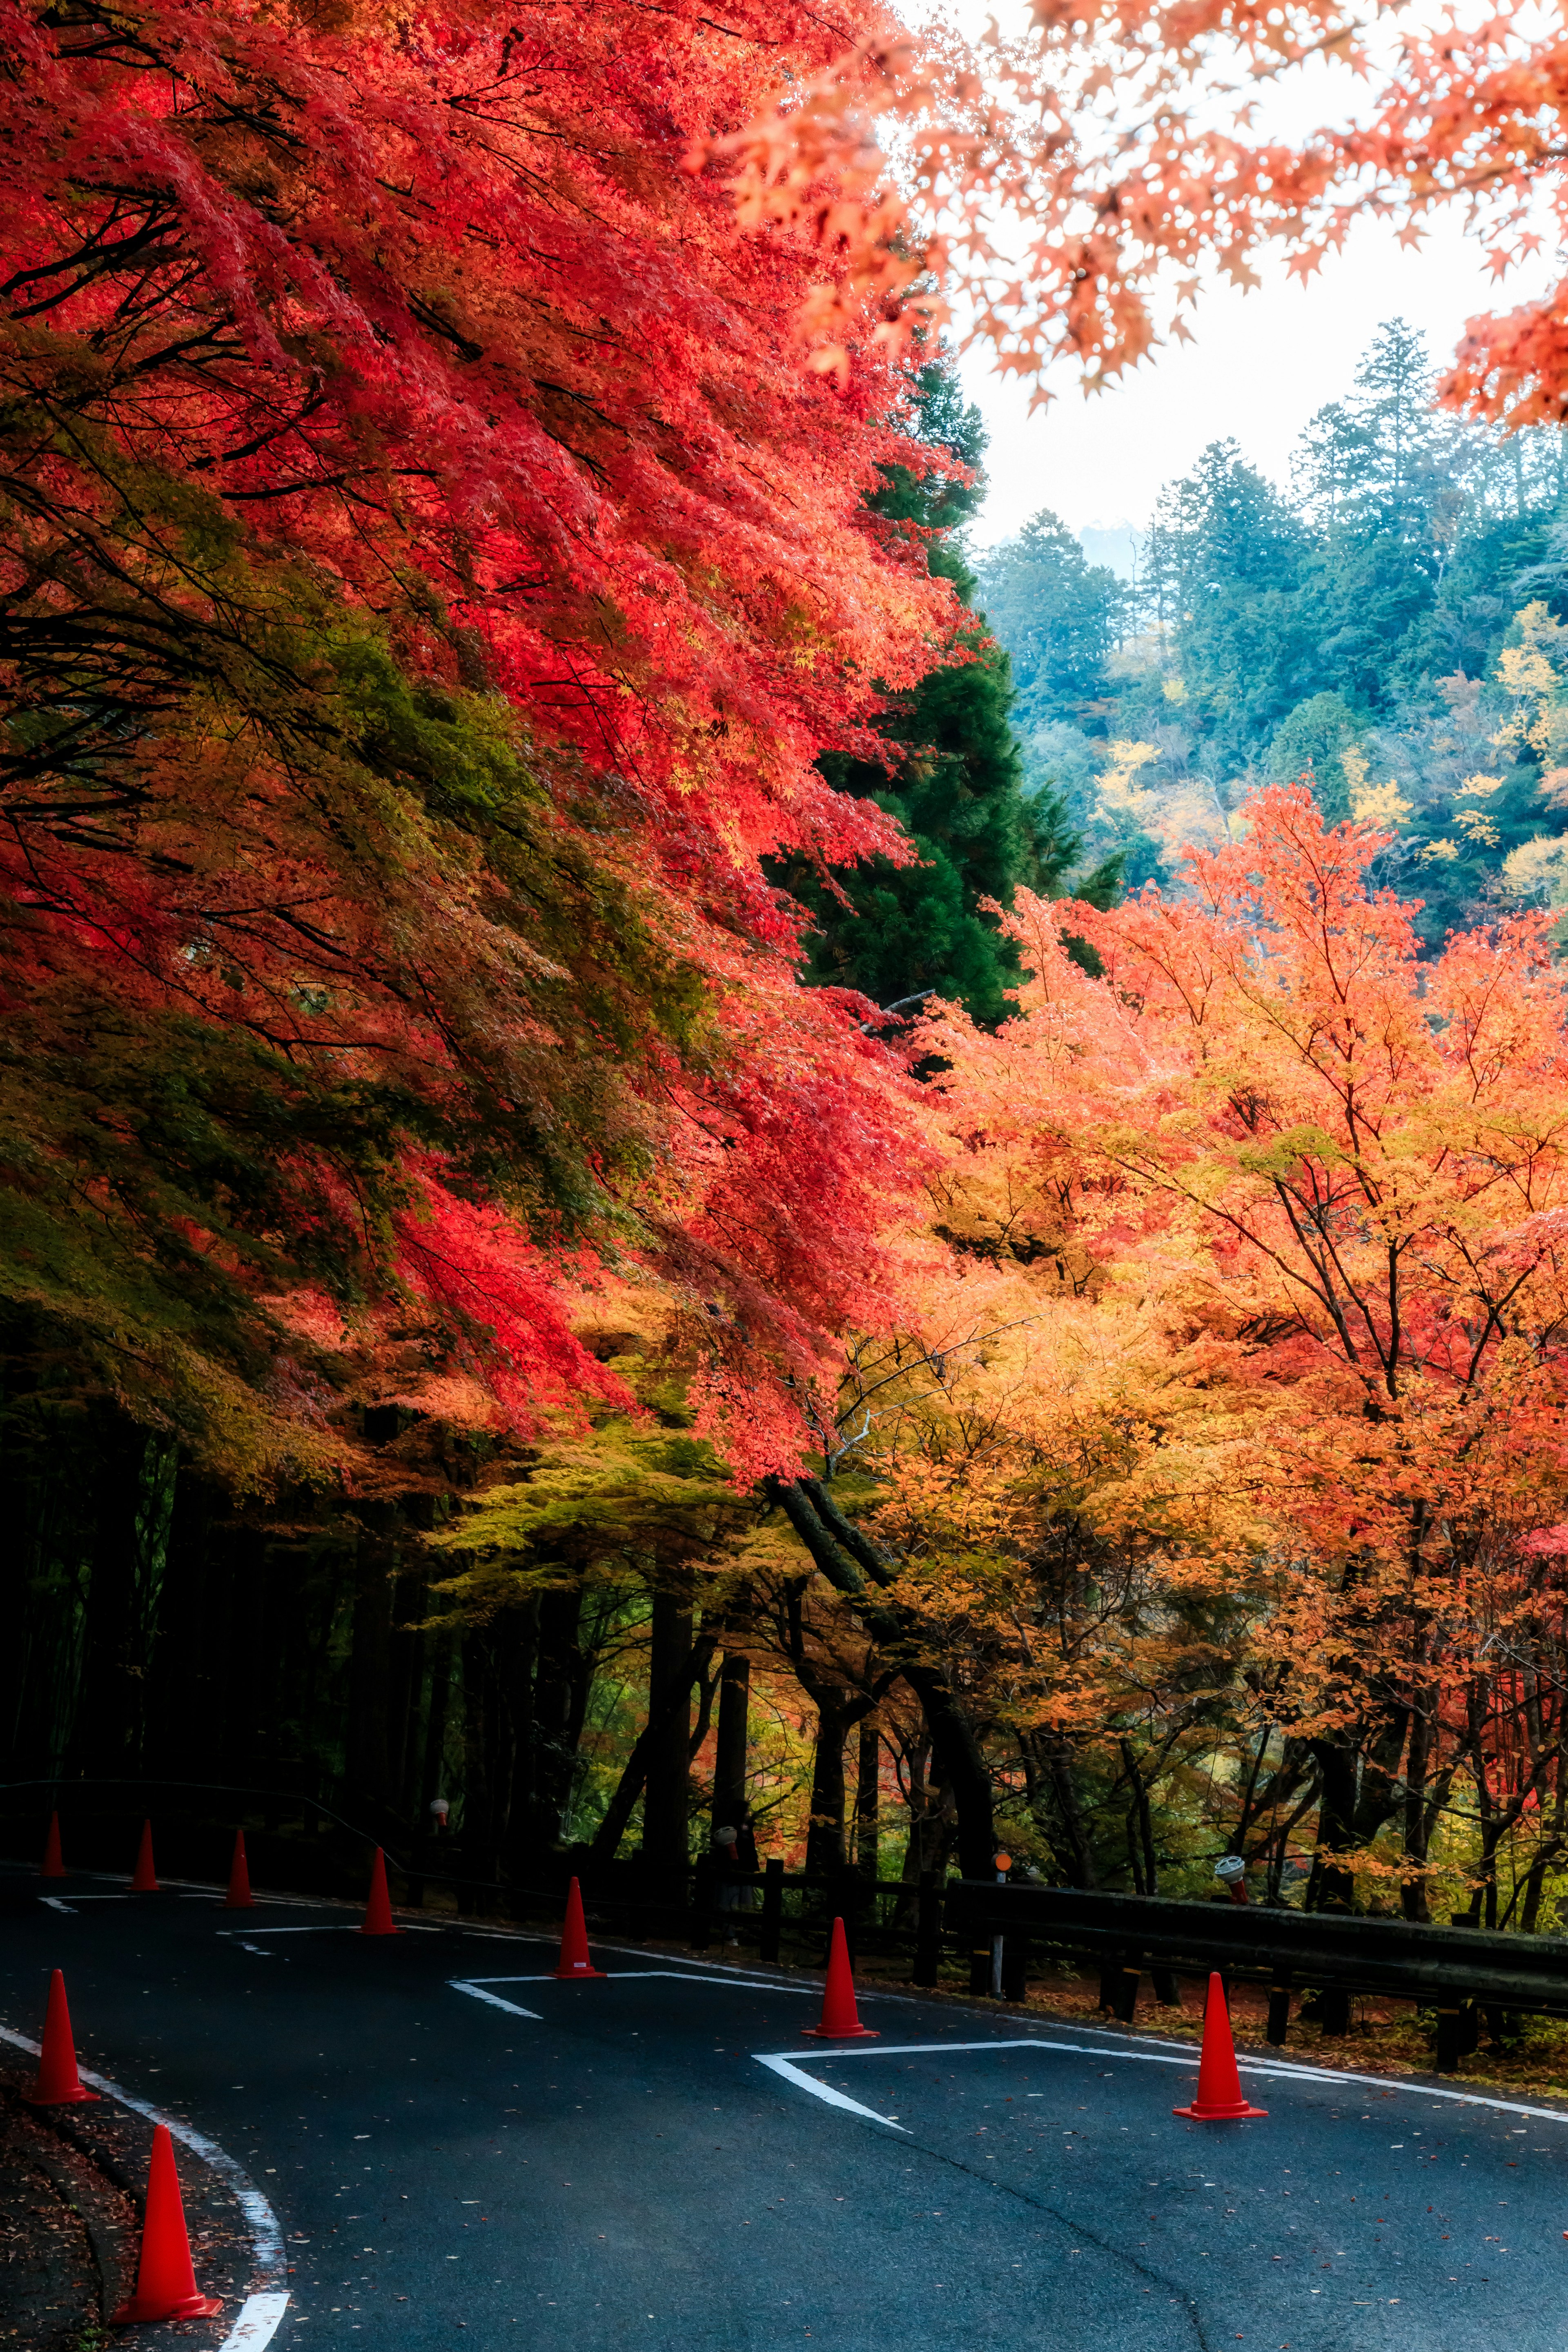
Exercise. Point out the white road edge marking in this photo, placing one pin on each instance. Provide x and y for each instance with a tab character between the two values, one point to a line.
57	1903
792	2072
477	1992
266	2237
257	2323
1187	2055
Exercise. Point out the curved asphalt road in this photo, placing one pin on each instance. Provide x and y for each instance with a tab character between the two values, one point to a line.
618	2169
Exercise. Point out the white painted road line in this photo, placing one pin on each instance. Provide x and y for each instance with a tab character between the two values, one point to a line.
57	1903
477	1992
334	1927
791	2070
677	1975
1182	2055
266	2237
257	2323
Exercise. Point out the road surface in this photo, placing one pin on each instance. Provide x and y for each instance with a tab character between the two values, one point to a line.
460	2150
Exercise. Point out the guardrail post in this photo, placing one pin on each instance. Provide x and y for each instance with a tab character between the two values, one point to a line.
1165	1988
979	1965
1109	1981
928	1931
1125	2003
1279	2007
1447	2040
1334	2011
1470	2029
772	1911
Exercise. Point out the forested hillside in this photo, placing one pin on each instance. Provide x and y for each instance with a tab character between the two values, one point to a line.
1389	618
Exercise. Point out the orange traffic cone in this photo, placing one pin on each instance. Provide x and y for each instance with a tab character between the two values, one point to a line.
166	2282
238	1897
59	2083
1220	2098
143	1880
839	2021
53	1866
378	1920
574	1959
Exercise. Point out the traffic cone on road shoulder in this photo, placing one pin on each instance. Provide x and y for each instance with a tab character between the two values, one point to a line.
144	1879
1220	2098
378	1919
574	1961
59	2083
166	2282
238	1897
53	1866
840	2021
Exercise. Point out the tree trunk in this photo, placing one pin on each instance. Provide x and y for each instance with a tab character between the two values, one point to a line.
858	1571
731	1782
825	1837
109	1711
666	1840
557	1715
654	1735
433	1779
869	1799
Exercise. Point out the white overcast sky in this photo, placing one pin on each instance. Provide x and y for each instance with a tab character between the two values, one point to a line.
1262	363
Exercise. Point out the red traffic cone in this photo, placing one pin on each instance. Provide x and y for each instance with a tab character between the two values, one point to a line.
1220	2098
238	1897
53	1866
839	2021
143	1881
166	2282
378	1920
574	1959
59	2083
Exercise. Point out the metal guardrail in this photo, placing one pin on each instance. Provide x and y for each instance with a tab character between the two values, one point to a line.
1450	1969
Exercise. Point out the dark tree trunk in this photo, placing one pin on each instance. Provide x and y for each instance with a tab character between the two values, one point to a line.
869	1799
367	1766
825	1837
110	1716
860	1573
559	1697
667	1782
655	1735
731	1782
433	1779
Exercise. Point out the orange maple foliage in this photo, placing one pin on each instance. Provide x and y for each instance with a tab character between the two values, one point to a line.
1073	185
1258	1417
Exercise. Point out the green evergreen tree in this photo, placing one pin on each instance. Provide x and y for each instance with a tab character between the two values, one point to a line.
1059	617
953	780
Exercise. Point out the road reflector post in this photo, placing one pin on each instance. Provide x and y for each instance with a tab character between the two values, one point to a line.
1015	1968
